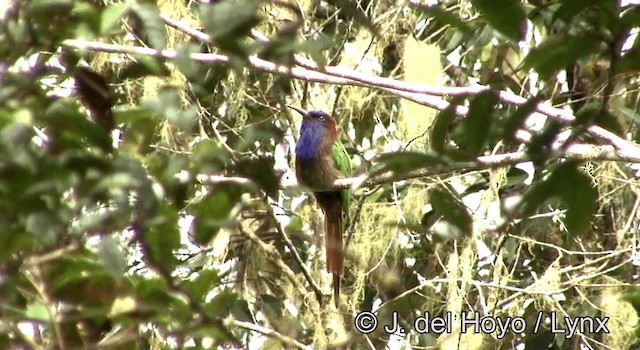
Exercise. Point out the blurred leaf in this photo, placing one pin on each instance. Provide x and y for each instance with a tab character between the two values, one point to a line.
50	7
451	208
438	137
515	176
230	21
153	25
45	228
315	48
571	8
259	170
515	121
213	212
112	257
143	66
352	10
184	62
240	311
220	305
201	285
38	311
475	127
151	290
558	52
130	115
634	299
506	16
573	188
578	193
72	127
295	225
446	18
163	237
169	105
207	157
111	17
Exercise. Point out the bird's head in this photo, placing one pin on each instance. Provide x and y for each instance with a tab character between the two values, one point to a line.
314	117
317	134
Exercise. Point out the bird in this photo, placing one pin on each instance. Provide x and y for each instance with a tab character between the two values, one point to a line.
320	159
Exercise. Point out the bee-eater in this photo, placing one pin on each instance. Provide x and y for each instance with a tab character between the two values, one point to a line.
321	159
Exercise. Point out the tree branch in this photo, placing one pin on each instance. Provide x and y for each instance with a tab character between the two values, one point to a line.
418	93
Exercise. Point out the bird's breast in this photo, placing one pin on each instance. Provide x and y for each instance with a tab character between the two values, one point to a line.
316	172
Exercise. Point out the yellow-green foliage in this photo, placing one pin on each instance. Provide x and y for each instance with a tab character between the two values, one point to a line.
363	57
623	318
459	271
421	63
375	236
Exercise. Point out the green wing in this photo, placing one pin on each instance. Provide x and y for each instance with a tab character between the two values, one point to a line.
342	162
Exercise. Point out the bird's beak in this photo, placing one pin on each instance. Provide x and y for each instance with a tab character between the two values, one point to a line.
299	110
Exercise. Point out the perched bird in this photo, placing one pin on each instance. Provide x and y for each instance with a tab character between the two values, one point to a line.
321	159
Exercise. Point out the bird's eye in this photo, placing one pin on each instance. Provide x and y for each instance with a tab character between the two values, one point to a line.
321	117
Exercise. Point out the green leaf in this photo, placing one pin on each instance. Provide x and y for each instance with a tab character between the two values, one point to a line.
206	157
201	285
228	22
213	212
129	115
578	193
517	118
259	170
515	177
354	11
220	305
241	312
185	63
573	188
451	208
169	105
111	17
571	8
438	137
476	126
506	16
38	311
74	127
557	52
153	25
163	237
44	227
446	18
112	257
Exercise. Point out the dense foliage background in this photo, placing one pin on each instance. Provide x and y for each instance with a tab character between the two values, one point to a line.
147	198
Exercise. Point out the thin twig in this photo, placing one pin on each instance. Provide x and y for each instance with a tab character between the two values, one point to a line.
294	252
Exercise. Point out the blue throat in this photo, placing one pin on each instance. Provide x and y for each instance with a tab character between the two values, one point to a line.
311	138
